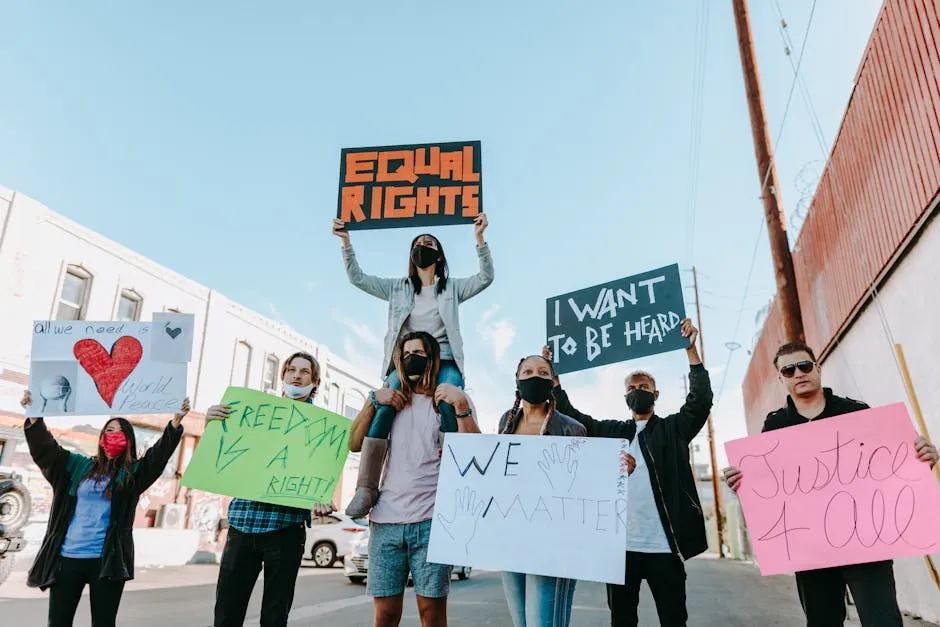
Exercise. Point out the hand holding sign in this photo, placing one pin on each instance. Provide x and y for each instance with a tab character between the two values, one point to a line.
689	331
462	526
561	469
339	230
479	225
926	452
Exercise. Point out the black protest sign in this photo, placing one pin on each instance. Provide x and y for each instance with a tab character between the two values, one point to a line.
633	317
389	187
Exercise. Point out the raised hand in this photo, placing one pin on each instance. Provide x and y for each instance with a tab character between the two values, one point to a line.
462	526
479	225
560	468
339	230
184	409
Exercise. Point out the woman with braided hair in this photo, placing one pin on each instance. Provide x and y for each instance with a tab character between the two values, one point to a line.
535	600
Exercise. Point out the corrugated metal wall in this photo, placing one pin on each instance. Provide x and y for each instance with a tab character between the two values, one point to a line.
882	175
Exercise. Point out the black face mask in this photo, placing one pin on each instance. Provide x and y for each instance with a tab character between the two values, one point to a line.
414	364
640	401
424	256
535	389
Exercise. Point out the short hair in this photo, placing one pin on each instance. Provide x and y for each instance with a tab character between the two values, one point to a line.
314	364
793	347
640	373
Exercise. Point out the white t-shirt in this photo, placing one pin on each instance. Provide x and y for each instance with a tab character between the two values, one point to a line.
645	533
412	466
426	316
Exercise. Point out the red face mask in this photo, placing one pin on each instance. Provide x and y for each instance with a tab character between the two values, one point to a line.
113	442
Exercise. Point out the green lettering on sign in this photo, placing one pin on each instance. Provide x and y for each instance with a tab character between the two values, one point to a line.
271	449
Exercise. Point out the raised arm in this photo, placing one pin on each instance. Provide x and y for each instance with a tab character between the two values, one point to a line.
595	428
698	404
469	287
149	467
380	287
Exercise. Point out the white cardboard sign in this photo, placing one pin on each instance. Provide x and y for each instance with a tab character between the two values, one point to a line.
512	503
86	368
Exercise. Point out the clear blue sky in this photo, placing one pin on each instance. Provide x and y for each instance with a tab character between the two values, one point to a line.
207	136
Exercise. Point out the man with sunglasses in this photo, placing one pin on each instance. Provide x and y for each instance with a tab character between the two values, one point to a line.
822	591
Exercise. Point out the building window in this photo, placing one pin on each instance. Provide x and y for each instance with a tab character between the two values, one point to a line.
335	399
73	298
269	376
241	365
129	305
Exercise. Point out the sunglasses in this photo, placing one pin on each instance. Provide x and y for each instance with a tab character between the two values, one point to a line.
805	367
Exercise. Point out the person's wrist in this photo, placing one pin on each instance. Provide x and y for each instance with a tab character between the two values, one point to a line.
373	400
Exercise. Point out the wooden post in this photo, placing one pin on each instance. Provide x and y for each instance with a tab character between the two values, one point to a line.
919	417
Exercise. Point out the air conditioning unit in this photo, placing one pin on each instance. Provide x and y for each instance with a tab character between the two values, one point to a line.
171	516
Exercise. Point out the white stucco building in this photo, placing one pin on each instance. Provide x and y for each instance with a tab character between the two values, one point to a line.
54	268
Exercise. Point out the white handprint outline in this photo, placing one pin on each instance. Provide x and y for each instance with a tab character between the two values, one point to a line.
561	469
462	526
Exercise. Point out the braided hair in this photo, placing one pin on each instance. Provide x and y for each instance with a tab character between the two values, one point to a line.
512	419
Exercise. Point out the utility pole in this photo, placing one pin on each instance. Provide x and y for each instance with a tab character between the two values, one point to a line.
685	392
716	487
770	186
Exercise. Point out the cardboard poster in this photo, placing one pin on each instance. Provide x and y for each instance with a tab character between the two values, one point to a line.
507	502
633	317
844	490
417	185
271	449
87	368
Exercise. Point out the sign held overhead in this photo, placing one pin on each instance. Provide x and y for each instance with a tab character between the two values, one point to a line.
633	317
414	185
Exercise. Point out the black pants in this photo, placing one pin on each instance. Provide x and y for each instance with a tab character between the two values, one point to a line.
822	594
665	575
280	552
71	577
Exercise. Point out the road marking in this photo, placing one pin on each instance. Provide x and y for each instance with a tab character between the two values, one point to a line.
319	609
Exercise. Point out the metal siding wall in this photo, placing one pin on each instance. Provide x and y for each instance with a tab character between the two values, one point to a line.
882	175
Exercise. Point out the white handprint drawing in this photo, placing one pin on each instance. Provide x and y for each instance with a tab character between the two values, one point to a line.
462	526
561	468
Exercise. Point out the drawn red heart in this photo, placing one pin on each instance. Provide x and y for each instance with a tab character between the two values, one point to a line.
109	371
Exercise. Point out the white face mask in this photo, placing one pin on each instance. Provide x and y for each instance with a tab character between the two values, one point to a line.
297	392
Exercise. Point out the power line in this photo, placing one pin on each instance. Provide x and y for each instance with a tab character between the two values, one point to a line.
696	123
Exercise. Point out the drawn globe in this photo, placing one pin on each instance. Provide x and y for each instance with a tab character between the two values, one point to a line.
55	388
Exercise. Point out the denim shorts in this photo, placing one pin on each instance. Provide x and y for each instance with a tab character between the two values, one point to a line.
396	549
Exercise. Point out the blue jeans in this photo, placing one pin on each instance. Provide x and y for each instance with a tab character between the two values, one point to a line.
537	601
385	414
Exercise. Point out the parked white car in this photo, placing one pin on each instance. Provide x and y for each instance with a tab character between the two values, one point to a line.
330	538
356	566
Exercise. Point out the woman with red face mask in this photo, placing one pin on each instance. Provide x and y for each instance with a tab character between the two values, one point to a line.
89	538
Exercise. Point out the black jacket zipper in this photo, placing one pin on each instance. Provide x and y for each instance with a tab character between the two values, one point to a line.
659	490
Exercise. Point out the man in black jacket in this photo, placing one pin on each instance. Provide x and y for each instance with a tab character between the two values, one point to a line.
822	591
665	525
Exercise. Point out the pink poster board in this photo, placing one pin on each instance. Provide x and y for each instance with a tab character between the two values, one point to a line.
844	490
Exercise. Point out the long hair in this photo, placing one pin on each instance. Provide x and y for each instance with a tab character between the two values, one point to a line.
513	418
440	270
428	380
120	468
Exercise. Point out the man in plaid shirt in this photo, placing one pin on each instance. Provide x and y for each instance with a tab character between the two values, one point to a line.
266	535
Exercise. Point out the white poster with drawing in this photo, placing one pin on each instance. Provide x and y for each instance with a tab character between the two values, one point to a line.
84	368
543	505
